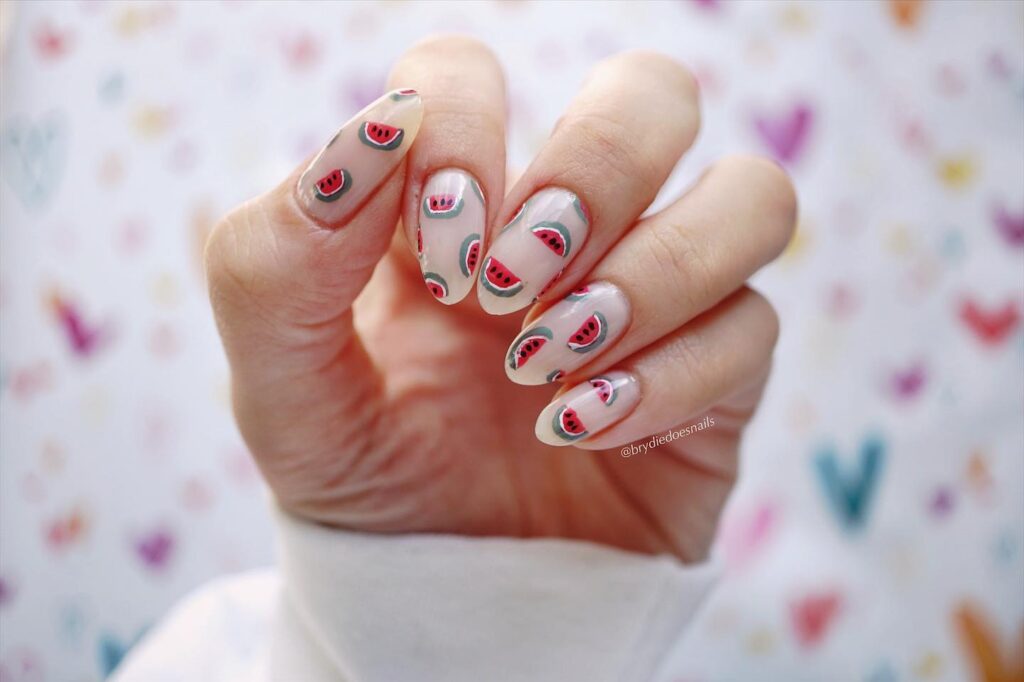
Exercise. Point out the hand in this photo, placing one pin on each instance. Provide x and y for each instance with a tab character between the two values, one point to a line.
370	407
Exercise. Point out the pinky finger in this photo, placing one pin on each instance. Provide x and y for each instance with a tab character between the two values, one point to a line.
682	375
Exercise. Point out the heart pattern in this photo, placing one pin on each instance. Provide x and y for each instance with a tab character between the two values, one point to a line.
785	135
850	494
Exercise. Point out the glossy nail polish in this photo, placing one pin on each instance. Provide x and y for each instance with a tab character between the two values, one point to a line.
588	408
449	240
569	334
359	157
536	245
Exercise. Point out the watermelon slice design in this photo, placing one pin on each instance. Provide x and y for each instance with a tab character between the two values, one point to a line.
331	186
578	294
469	254
436	285
406	93
419	243
581	209
380	136
527	345
555	376
499	280
567	425
478	191
605	389
442	205
555	237
515	218
590	335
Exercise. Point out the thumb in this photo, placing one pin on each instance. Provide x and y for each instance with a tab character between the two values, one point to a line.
284	268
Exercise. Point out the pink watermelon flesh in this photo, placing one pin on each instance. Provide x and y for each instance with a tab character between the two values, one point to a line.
419	242
332	183
526	349
604	389
381	136
579	293
441	203
590	334
570	422
554	236
499	278
436	285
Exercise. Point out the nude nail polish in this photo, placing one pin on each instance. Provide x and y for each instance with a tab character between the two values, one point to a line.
449	240
359	157
588	408
569	334
536	245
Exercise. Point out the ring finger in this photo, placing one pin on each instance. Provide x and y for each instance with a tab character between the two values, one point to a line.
671	267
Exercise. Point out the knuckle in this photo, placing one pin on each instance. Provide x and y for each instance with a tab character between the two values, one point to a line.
680	263
602	151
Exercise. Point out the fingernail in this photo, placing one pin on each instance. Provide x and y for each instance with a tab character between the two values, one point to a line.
537	244
588	408
449	239
569	334
359	157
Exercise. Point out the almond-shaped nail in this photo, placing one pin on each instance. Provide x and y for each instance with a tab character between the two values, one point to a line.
537	244
359	157
449	240
581	326
588	408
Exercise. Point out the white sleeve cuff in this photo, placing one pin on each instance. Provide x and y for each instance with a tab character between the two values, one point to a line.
441	607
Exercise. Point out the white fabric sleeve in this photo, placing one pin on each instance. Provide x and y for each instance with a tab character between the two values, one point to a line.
363	608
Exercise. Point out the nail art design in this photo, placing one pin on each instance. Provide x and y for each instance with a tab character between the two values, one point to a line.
582	325
436	285
351	166
469	254
452	219
527	345
540	240
499	280
379	136
331	186
590	335
588	408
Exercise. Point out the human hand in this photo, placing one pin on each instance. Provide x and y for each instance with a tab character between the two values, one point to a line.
370	407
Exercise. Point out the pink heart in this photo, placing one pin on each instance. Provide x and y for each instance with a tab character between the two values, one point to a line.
786	135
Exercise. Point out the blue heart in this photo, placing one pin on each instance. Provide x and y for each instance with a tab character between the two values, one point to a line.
111	651
33	158
849	494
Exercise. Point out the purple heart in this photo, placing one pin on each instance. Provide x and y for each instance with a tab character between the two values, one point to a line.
1010	225
786	135
155	549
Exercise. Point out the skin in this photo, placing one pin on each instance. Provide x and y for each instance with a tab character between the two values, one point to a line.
370	407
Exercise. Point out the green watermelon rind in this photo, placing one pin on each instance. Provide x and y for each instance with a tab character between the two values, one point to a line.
611	384
596	342
346	183
390	146
513	350
556	426
442	215
467	243
576	204
503	293
478	191
560	229
554	376
429	277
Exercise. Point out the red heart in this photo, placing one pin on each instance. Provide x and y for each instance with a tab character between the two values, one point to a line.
990	326
813	614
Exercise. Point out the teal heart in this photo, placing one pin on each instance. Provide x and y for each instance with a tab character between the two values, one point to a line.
850	493
34	156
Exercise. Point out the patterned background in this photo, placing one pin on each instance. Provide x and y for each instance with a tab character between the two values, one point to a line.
879	518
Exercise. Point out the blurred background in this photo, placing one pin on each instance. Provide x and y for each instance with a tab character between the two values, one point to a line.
878	529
